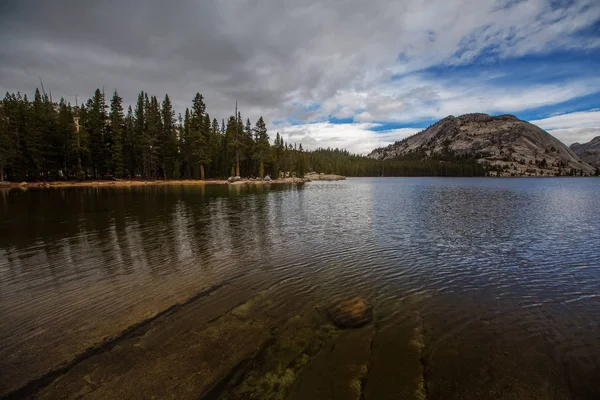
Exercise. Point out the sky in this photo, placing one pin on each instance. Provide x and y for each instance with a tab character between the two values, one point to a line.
353	74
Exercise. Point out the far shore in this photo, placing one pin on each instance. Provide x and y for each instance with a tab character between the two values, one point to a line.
172	182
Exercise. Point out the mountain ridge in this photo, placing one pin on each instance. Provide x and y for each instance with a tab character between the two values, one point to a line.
504	144
588	152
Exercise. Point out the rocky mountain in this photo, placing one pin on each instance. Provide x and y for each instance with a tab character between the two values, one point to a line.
588	152
504	144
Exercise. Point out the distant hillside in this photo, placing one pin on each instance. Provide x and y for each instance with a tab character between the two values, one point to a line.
588	152
504	145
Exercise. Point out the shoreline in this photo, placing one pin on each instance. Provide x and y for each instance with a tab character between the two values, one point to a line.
173	182
243	181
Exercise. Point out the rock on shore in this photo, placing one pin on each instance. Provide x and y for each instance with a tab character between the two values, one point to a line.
324	177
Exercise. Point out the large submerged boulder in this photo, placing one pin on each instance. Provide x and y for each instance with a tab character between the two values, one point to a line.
351	313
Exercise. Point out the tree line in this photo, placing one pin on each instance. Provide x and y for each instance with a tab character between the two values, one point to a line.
344	163
44	140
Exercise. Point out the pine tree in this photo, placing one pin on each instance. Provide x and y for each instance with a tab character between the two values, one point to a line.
153	132
33	140
235	143
277	155
207	146
217	142
247	149
232	155
129	143
225	148
66	131
140	138
168	140
96	123
81	144
51	141
262	148
6	145
116	155
12	127
186	147
200	154
300	162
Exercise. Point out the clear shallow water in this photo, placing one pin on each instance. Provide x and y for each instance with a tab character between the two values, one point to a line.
504	273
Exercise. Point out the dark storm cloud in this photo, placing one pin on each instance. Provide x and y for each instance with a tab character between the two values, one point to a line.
226	50
76	46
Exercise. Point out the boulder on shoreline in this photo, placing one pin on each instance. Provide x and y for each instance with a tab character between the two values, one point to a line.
351	313
324	177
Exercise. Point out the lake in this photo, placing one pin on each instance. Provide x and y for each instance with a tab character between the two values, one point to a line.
480	288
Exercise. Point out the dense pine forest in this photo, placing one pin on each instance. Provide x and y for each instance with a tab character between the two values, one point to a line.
44	140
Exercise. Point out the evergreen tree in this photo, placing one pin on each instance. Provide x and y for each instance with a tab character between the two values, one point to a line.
217	143
140	138
262	148
186	147
6	145
12	126
116	144
96	123
231	134
33	140
153	133
200	151
168	140
235	139
129	143
66	131
277	151
81	144
247	149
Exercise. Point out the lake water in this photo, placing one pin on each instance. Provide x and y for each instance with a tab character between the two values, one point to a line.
481	288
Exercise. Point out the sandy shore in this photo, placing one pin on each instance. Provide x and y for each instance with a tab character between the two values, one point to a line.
136	182
115	183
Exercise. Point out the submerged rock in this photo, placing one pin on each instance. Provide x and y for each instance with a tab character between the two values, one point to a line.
351	313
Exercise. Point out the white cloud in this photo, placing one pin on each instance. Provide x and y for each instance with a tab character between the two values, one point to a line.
580	119
272	54
581	126
357	138
575	135
415	98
